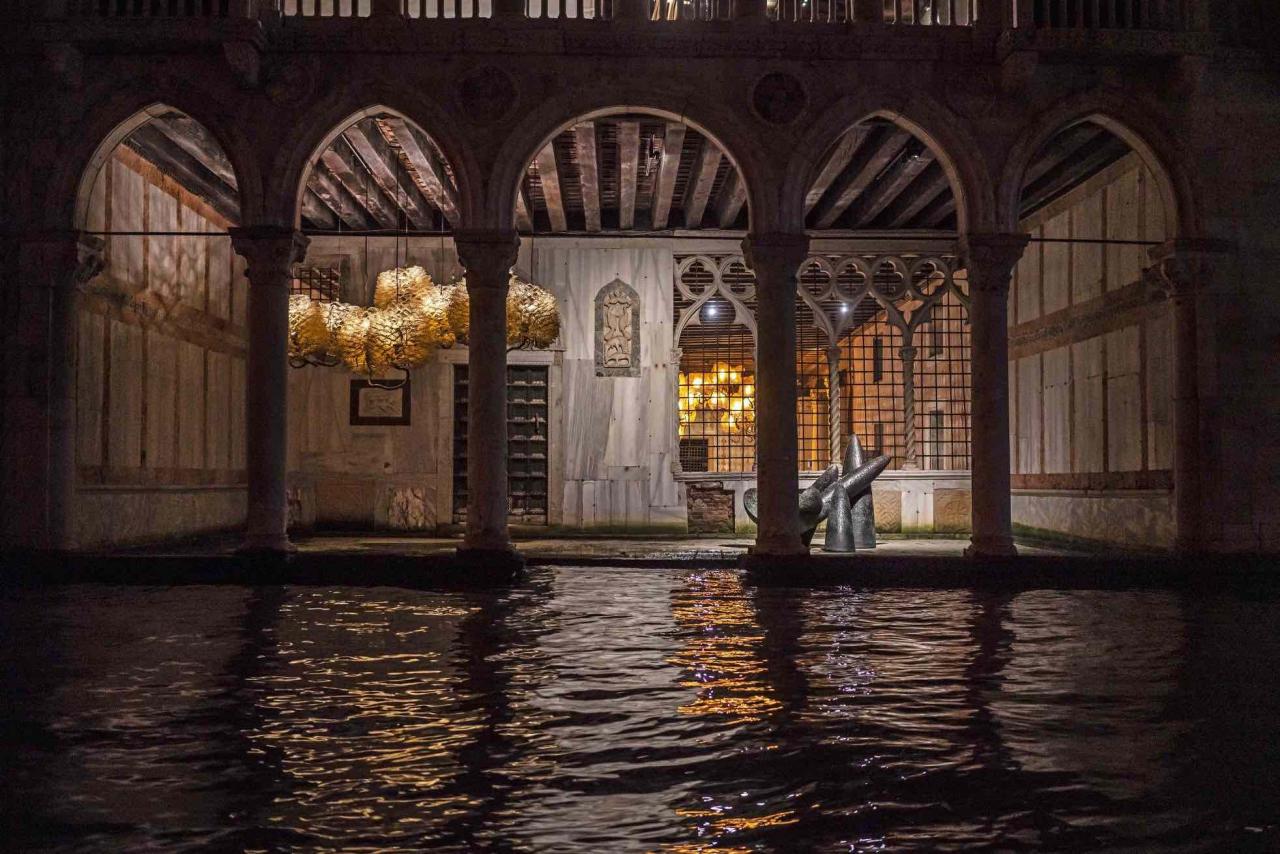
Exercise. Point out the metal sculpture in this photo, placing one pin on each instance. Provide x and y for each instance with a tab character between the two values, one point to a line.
840	496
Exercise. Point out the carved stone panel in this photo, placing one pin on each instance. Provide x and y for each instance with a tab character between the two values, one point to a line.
617	331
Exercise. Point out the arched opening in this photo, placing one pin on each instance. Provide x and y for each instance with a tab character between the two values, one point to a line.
634	220
1091	348
887	327
372	337
160	335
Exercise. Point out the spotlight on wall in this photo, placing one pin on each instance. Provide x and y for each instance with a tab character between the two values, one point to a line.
844	308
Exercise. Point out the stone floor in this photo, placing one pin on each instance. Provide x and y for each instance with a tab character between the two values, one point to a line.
582	549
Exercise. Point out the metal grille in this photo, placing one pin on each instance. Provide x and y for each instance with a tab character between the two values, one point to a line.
323	282
526	444
693	454
716	384
813	400
871	399
943	386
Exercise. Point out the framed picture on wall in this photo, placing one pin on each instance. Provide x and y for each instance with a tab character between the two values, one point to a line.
377	406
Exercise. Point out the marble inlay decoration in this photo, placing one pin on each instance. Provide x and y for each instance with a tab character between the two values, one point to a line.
617	328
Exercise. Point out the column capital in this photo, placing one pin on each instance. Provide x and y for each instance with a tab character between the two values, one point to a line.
270	252
487	255
990	259
775	251
73	257
1182	266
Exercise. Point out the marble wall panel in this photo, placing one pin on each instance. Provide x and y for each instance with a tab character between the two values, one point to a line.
217	432
89	390
1086	259
190	406
1124	401
1027	281
127	516
1142	519
1124	262
1159	381
1056	284
162	402
1029	420
952	510
125	397
1056	369
1088	416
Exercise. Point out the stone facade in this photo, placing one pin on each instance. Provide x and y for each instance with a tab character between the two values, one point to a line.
777	96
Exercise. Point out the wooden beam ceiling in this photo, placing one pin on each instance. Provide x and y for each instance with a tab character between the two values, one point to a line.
549	176
384	173
584	136
664	187
628	172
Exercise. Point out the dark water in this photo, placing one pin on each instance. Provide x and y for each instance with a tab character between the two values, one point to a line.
621	710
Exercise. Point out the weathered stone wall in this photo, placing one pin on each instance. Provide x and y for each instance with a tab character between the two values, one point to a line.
160	441
1090	367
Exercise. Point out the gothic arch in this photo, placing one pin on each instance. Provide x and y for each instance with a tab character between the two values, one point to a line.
1138	129
945	134
544	124
295	164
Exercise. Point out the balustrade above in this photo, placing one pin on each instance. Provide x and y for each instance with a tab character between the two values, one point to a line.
1159	15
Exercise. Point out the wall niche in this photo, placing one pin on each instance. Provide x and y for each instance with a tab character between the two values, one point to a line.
617	330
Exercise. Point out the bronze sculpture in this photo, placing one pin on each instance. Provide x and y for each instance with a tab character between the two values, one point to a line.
841	496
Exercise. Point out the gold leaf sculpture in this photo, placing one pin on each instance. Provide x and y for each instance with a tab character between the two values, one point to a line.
533	321
410	318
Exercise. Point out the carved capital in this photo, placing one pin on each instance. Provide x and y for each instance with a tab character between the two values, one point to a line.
1181	267
270	252
775	258
488	256
990	259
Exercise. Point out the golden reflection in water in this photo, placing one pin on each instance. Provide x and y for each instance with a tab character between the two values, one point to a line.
720	654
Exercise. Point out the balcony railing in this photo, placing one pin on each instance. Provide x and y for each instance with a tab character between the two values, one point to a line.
1226	16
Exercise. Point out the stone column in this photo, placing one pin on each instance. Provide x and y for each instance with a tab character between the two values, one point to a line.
989	260
776	259
1181	271
487	256
910	445
39	443
835	392
270	253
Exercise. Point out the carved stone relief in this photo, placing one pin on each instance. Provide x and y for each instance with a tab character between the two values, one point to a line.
617	331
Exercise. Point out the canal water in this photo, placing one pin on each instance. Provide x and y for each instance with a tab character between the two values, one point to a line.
620	710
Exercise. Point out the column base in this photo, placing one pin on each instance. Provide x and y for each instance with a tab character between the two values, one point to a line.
256	545
991	547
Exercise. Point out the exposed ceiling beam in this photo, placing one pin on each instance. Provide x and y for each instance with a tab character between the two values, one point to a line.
333	194
1097	155
550	177
431	176
316	212
701	180
904	170
524	209
382	164
919	195
938	211
869	162
1062	147
358	181
584	141
628	172
191	136
154	146
665	186
836	164
732	196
